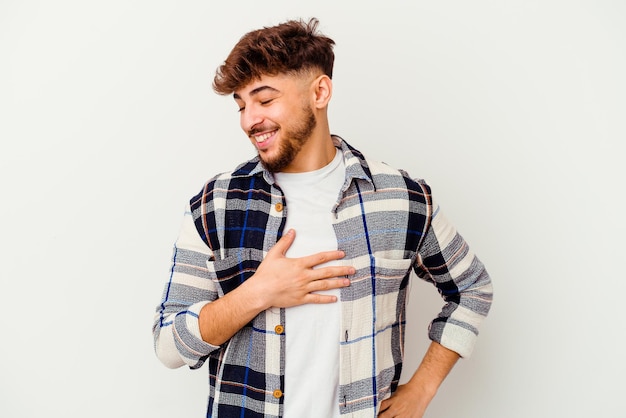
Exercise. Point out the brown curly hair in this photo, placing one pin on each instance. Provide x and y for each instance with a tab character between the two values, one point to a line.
294	47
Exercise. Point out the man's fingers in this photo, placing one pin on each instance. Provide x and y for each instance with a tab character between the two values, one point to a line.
283	244
328	284
321	285
332	272
323	257
317	298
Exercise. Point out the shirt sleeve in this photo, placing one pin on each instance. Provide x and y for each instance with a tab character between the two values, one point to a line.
177	339
446	260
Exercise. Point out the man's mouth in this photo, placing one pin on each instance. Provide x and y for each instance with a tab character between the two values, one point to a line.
263	137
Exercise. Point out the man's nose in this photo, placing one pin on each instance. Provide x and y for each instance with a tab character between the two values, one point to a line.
250	117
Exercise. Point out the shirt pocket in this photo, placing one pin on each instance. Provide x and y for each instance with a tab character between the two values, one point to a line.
389	285
228	273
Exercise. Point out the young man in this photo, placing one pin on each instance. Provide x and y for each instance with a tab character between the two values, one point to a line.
289	275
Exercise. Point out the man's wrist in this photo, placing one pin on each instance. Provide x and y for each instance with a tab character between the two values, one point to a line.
422	388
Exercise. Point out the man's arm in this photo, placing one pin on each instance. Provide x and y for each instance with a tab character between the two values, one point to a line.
445	260
279	282
177	340
191	321
412	398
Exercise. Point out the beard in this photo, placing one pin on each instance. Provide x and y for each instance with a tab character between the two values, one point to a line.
294	139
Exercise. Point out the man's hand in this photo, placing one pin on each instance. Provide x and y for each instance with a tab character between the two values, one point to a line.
405	403
283	282
412	399
278	282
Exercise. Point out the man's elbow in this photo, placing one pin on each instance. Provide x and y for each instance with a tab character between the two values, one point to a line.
168	356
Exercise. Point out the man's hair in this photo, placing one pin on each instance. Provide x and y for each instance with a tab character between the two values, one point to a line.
291	47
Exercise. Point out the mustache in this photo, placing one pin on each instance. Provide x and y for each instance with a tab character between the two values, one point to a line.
261	128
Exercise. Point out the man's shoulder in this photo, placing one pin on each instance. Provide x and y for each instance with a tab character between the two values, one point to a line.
383	173
227	180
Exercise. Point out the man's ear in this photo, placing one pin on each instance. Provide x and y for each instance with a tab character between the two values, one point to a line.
323	91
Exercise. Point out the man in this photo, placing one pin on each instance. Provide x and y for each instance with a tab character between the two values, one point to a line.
289	276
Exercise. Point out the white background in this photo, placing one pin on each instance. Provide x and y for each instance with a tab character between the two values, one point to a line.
513	111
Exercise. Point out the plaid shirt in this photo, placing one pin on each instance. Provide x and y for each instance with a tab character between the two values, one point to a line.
387	225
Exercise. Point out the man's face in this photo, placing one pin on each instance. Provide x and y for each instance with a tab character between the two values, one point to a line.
277	117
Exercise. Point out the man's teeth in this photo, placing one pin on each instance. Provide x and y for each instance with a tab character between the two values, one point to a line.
263	137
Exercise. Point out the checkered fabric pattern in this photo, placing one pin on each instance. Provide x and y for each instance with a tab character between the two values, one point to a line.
387	225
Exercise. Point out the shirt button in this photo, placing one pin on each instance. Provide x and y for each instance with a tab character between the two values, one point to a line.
279	329
278	393
279	207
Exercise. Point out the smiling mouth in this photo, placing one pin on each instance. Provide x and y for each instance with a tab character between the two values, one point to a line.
263	137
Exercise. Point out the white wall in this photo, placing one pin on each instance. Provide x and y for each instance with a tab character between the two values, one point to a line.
514	111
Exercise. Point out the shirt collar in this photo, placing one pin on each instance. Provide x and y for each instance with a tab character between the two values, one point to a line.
356	165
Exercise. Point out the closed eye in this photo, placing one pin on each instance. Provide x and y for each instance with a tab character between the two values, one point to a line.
263	103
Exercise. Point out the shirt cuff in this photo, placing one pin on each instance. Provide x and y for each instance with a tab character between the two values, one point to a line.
454	337
189	343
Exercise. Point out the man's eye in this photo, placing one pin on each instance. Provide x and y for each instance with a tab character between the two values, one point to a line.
264	102
240	109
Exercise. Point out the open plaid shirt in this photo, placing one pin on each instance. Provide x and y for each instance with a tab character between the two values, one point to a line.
387	225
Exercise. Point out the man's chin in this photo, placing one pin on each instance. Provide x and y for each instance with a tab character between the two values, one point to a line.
275	165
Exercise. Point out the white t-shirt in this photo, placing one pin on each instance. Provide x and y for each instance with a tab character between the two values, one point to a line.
312	331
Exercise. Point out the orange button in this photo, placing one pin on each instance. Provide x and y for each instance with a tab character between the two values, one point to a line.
279	329
278	393
279	207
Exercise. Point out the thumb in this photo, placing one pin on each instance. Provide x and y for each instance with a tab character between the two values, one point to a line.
284	243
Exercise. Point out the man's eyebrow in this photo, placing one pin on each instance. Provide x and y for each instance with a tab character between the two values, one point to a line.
257	91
